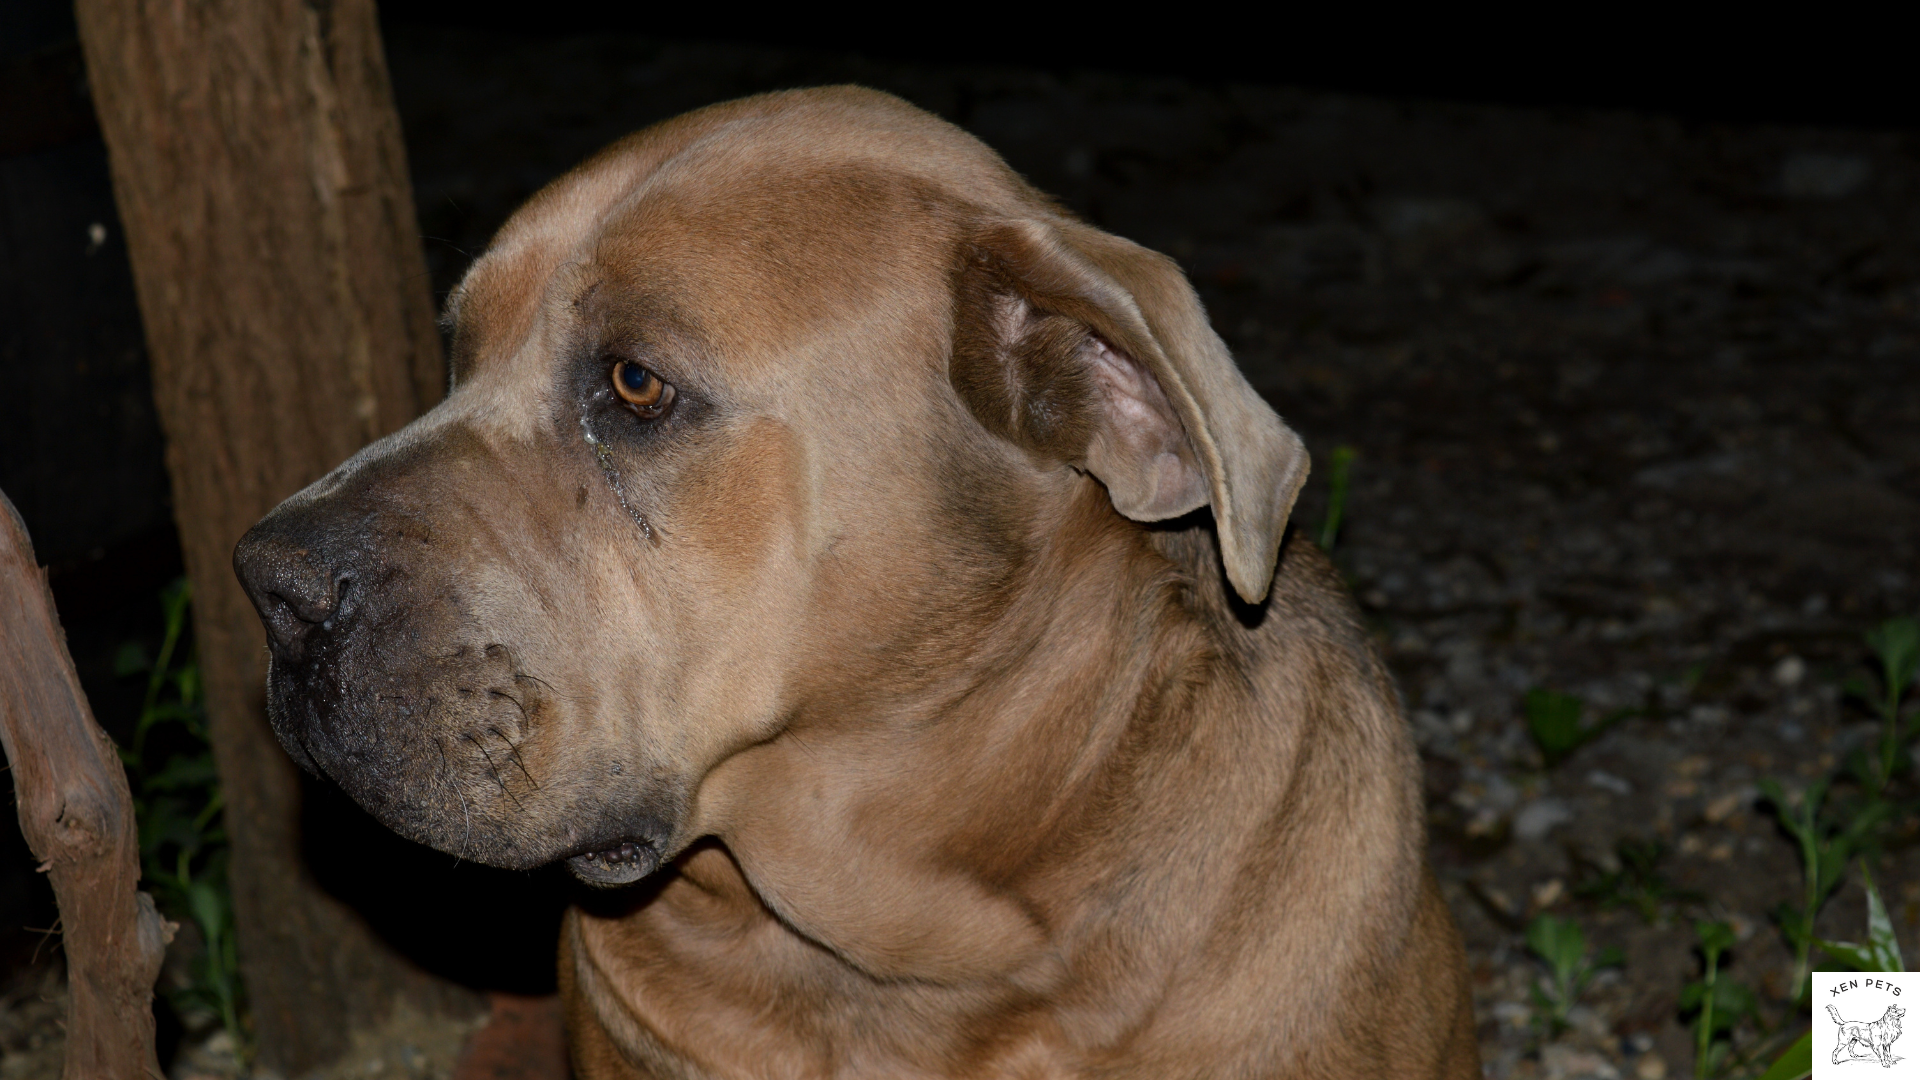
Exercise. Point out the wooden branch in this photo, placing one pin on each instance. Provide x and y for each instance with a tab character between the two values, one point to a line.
77	815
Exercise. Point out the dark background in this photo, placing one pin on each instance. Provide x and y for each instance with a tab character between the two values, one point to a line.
1597	300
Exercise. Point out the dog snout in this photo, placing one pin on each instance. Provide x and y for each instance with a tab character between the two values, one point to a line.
300	584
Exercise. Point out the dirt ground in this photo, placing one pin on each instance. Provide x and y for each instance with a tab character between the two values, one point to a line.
1636	416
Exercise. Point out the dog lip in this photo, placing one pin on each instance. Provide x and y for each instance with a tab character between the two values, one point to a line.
619	864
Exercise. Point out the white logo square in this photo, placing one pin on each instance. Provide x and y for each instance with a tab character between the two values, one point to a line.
1859	1021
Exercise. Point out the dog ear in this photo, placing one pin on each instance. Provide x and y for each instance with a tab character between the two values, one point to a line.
1089	348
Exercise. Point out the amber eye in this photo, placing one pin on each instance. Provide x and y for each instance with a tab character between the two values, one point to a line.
641	389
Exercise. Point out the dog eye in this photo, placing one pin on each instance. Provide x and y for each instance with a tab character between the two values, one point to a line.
642	390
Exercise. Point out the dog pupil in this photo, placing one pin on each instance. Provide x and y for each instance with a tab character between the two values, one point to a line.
634	376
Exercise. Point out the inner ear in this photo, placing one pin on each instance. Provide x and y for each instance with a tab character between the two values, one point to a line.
1139	448
1019	369
1050	383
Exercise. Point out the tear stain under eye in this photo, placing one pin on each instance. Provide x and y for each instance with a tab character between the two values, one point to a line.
612	472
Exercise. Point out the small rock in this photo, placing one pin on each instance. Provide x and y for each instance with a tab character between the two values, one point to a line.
1587	1019
1606	781
1540	817
1512	1013
1563	1062
1726	806
1651	1067
1486	821
1789	671
1708	714
1548	892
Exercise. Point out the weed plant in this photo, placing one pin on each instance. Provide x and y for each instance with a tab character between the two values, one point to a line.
1638	882
1880	952
1562	946
1831	834
1717	1003
177	802
1896	644
1827	840
1339	466
1829	831
1555	721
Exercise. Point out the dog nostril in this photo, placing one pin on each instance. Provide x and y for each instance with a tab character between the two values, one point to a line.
342	584
292	586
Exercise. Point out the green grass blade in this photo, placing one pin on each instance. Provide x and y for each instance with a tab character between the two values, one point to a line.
1897	643
1795	1064
1342	462
1881	944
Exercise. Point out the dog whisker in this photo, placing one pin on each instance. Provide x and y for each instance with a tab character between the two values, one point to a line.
466	813
525	720
513	755
521	675
495	770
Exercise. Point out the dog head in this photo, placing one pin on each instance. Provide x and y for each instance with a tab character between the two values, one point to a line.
758	417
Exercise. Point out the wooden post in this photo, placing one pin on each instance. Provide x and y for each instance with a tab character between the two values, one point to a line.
261	179
77	816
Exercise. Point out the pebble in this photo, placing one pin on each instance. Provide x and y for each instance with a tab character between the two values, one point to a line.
1562	1062
1727	805
1540	817
1606	781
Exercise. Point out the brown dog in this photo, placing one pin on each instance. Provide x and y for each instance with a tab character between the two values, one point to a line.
783	543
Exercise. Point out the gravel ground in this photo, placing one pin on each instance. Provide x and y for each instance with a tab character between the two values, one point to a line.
1635	414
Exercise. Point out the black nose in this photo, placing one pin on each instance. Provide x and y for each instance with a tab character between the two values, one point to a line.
301	583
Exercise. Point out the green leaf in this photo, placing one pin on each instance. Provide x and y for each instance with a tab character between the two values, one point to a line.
1882	950
1795	1064
131	660
187	680
1857	957
1731	1002
1897	643
1559	942
1341	461
184	772
1553	718
167	821
1880	939
1855	686
1784	808
209	908
1715	937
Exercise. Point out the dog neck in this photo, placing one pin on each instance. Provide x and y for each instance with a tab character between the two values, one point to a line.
1025	832
923	834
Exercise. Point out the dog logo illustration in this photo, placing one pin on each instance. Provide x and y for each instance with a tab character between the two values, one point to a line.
1859	1040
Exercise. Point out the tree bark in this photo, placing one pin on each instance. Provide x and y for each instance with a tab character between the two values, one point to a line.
77	815
262	182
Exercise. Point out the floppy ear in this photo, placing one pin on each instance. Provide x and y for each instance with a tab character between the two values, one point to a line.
1094	350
